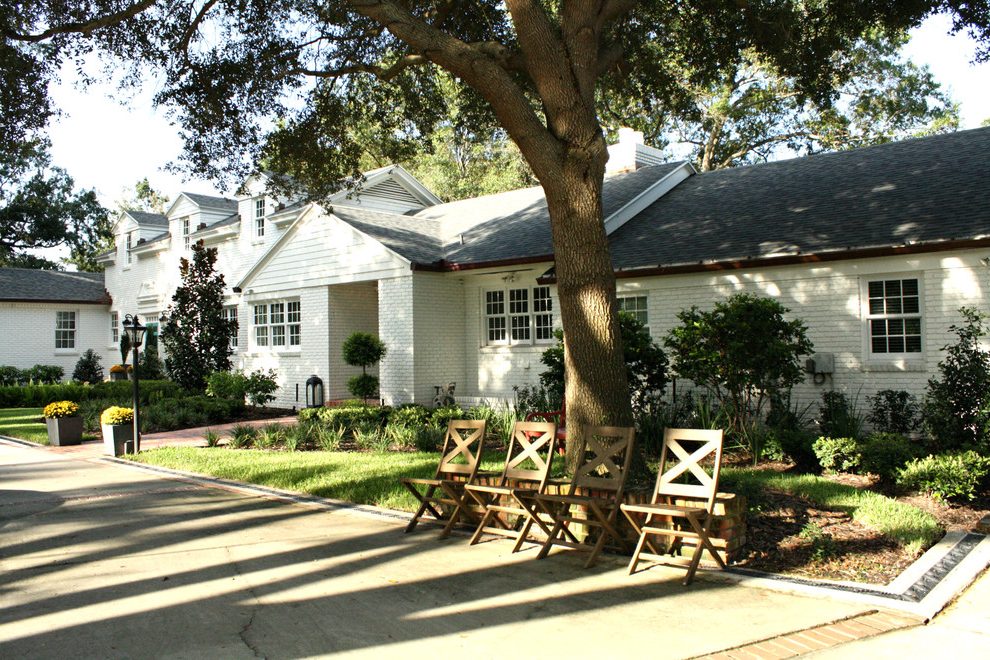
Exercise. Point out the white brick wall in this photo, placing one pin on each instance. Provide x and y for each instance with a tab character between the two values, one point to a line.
395	328
353	308
28	335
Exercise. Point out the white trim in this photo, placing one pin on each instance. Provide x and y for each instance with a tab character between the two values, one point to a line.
882	362
639	203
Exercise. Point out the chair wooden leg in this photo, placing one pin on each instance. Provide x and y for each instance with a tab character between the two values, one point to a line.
424	505
481	526
639	548
523	533
545	550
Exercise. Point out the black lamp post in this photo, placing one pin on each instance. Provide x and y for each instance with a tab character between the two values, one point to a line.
135	332
314	392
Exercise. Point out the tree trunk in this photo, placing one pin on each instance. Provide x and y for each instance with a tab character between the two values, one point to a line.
596	390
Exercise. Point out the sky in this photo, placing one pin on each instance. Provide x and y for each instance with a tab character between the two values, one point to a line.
109	147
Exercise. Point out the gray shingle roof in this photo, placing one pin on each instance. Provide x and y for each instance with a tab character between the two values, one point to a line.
149	219
213	202
416	239
24	284
915	191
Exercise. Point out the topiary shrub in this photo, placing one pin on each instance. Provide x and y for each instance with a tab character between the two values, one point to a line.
947	477
150	365
88	368
884	454
837	454
363	349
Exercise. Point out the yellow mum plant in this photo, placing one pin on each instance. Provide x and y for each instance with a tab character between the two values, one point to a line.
121	369
61	409
117	415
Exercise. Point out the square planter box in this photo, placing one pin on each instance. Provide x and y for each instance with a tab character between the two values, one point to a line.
117	438
63	431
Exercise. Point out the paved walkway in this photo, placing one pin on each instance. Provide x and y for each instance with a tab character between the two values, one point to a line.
99	559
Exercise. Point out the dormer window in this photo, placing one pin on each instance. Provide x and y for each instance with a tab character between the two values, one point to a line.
259	217
185	232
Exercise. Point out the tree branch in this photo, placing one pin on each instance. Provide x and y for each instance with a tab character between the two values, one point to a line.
84	27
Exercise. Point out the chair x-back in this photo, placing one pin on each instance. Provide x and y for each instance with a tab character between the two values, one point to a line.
690	463
461	456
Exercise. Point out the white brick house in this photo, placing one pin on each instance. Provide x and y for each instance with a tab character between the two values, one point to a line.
875	249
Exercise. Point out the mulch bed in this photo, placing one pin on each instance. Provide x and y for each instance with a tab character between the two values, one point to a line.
791	535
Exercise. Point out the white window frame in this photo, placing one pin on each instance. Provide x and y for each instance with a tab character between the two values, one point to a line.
896	359
517	316
114	328
634	300
276	325
230	314
129	247
185	233
66	326
259	217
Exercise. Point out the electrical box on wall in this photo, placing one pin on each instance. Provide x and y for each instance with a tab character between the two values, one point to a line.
820	363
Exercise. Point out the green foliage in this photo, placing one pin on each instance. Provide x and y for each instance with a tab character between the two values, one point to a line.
88	368
718	350
227	385
884	454
751	110
893	411
125	347
798	445
370	437
328	438
535	398
242	436
9	376
346	417
42	374
150	365
194	332
411	415
363	386
261	387
837	454
956	409
212	438
40	207
270	436
838	417
646	364
441	416
823	546
947	477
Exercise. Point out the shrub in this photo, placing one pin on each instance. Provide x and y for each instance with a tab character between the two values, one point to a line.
88	368
363	349
369	436
798	445
884	454
893	411
261	387
401	437
429	438
117	415
270	436
120	369
44	374
242	436
838	418
227	385
348	417
534	398
328	438
837	454
646	364
150	365
743	351
956	409
61	409
212	438
441	416
947	477
412	415
9	376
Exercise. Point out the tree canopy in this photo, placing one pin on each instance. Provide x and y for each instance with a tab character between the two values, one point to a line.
287	82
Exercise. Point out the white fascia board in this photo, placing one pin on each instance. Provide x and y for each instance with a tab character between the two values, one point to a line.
421	191
636	205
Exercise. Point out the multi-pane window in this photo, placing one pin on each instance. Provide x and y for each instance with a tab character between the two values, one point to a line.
130	245
894	316
230	316
259	217
65	329
278	324
114	328
635	306
185	232
518	316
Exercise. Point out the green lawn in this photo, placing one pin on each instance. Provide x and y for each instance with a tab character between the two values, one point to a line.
913	528
28	424
24	424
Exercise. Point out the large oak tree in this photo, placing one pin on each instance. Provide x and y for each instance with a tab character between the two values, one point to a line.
284	79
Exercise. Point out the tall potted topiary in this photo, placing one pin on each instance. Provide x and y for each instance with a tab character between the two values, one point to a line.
363	349
65	424
117	424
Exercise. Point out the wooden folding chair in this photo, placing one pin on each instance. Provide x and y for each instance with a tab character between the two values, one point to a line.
607	452
458	466
526	473
681	475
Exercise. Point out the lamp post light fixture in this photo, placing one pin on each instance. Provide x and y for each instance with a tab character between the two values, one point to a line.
135	332
314	392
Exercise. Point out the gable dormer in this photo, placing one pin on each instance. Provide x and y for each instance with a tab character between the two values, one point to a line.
391	189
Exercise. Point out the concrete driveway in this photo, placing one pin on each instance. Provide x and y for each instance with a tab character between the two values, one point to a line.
102	560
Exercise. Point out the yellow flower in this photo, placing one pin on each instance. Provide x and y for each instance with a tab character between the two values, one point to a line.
117	415
61	409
